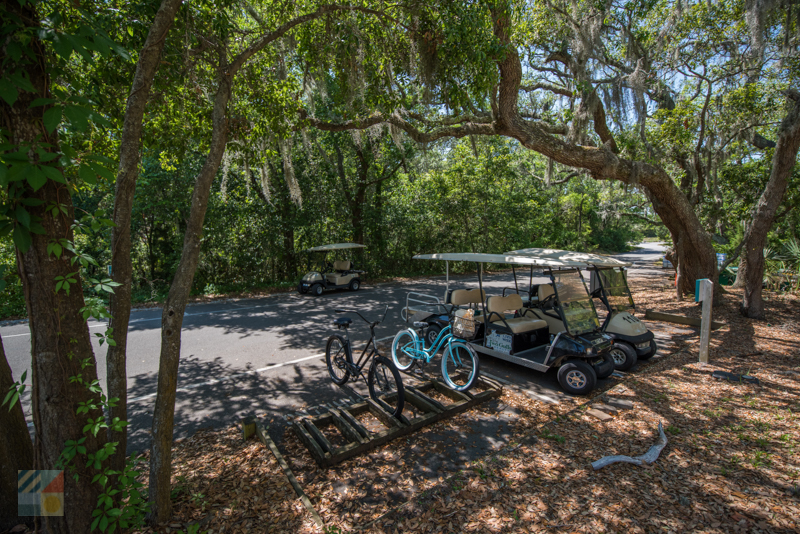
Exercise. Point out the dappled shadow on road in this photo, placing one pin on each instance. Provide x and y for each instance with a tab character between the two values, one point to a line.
220	395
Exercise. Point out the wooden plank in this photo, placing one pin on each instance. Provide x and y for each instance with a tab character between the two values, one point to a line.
348	416
422	401
383	416
317	435
267	441
344	427
311	444
357	409
678	319
457	396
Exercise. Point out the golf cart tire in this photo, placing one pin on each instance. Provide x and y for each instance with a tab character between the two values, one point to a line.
653	350
608	359
625	356
300	289
432	333
355	283
316	290
577	377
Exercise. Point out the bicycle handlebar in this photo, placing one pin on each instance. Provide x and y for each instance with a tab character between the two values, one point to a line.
338	310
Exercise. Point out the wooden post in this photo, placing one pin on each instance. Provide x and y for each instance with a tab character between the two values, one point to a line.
704	292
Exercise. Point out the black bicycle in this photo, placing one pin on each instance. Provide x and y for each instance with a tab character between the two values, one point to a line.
383	380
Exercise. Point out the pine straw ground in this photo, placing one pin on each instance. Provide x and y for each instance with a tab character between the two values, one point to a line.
732	463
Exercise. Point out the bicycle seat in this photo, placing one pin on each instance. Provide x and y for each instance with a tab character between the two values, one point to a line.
343	321
420	324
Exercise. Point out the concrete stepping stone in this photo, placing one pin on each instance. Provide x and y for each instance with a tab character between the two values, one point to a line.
620	403
603	416
606	408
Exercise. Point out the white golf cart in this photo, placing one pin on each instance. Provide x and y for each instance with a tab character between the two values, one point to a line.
337	275
608	283
505	328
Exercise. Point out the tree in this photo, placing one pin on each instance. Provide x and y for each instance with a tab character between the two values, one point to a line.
129	158
40	213
16	449
783	162
175	305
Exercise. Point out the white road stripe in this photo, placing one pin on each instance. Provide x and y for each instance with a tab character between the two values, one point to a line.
237	375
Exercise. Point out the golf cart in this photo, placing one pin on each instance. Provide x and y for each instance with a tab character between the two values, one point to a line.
336	275
504	328
608	283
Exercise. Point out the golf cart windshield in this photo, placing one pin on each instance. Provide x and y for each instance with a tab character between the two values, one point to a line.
577	307
615	289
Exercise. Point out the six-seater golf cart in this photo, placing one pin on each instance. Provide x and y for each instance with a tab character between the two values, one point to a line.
608	283
337	275
504	328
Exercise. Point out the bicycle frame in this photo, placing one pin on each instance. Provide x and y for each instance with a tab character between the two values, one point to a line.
358	367
426	354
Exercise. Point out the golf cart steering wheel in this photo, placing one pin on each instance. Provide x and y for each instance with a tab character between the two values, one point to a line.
548	301
328	266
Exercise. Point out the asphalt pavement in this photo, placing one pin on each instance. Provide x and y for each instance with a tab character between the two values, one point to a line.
266	355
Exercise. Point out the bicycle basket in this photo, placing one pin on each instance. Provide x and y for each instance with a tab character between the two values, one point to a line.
464	325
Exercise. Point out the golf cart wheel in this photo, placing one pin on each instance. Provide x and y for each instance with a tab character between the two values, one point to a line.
316	290
577	377
404	348
608	359
624	356
300	289
432	333
355	283
337	357
653	350
386	386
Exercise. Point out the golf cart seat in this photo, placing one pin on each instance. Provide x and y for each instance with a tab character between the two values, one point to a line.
340	267
544	291
497	306
467	297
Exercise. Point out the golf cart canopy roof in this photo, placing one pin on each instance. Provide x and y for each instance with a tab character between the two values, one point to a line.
511	259
569	256
335	246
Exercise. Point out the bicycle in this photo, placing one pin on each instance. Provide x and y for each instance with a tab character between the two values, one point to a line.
383	380
460	364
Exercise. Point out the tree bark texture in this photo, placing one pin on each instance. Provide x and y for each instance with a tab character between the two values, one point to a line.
16	450
60	339
121	267
174	307
751	265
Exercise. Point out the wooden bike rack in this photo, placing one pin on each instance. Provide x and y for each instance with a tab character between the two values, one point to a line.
359	439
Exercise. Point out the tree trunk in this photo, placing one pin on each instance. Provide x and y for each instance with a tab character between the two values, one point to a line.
16	450
172	315
60	340
121	267
695	253
752	263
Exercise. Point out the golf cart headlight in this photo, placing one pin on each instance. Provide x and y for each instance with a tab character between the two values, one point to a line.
589	350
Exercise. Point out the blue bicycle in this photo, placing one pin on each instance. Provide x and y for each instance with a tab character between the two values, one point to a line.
460	365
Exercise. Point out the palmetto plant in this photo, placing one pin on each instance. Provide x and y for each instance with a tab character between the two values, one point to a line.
791	253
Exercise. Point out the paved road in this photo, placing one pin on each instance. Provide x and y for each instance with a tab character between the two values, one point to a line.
266	354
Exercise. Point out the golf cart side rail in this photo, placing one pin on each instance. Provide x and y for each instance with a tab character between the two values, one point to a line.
423	300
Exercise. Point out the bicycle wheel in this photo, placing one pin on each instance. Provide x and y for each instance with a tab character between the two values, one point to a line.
404	347
460	366
386	386
337	357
